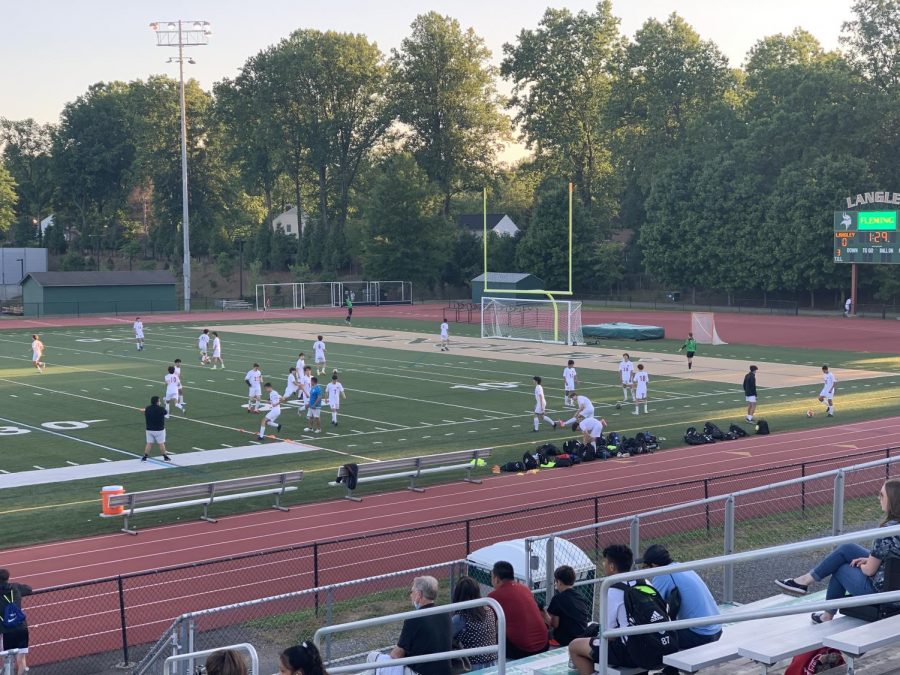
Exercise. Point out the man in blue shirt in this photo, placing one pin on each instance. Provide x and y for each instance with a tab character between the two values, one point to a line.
315	407
695	600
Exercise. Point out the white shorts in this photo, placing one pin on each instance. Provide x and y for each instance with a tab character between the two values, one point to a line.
217	353
640	393
750	399
825	393
170	394
320	359
538	410
35	356
314	412
203	351
587	412
626	383
156	436
334	405
255	391
290	391
444	337
139	336
273	414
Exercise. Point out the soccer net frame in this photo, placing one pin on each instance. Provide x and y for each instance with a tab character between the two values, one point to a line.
271	297
532	320
703	326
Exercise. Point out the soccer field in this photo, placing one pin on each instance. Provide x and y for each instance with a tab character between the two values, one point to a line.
405	399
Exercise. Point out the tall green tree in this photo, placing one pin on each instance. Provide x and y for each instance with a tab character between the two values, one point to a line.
445	93
406	236
562	74
26	154
873	38
8	199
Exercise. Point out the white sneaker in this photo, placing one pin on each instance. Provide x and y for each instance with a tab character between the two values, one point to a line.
636	412
307	429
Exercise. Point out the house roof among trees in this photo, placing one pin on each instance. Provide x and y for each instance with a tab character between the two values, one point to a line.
475	221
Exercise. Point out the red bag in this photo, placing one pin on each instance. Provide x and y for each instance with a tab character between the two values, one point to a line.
816	661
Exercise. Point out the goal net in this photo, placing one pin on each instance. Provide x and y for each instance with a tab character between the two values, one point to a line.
556	322
703	326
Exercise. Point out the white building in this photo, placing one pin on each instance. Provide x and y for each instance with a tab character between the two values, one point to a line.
287	222
499	223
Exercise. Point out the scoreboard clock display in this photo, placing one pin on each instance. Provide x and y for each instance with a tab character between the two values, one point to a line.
866	237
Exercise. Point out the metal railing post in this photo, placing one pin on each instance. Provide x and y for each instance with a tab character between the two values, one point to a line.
728	570
706	496
190	644
634	530
329	620
528	573
837	513
803	489
549	567
316	572
125	659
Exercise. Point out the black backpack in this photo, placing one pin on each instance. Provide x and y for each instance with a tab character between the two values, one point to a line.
513	467
710	429
588	453
563	461
631	446
570	446
762	427
644	606
737	431
648	441
691	437
548	450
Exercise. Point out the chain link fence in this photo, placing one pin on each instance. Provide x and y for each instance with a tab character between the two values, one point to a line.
89	628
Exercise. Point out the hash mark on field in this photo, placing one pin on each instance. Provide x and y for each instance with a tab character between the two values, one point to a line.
473	431
426	424
37	467
380	429
210	380
2	471
352	445
376	442
400	439
225	445
37	393
72	463
256	442
103	459
128	386
471	419
424	437
14	396
448	421
494	429
449	433
106	389
516	426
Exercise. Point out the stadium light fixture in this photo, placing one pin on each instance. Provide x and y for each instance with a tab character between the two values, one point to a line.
183	34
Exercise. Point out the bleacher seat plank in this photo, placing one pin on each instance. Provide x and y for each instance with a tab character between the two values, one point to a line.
865	638
793	642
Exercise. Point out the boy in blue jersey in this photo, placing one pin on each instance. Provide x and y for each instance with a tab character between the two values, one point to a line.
315	407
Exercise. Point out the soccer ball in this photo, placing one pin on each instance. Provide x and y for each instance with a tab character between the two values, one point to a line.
810	413
618	406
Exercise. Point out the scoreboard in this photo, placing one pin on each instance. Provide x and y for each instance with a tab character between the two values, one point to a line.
866	237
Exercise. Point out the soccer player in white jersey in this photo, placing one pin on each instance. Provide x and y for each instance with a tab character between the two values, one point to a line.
591	429
37	351
335	392
181	403
217	352
641	380
293	384
138	333
203	346
445	336
626	371
319	355
585	410
271	417
570	382
540	406
301	368
253	378
173	384
305	385
827	393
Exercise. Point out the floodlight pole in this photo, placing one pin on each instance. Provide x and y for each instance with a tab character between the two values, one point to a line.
175	35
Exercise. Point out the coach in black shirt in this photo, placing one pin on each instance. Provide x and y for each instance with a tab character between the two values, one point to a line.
750	392
155	417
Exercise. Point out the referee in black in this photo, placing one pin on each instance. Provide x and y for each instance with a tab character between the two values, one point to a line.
155	416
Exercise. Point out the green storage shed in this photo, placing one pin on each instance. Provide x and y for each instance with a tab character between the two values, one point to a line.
77	293
511	281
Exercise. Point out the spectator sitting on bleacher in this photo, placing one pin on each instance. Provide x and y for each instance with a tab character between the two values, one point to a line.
568	613
420	635
526	632
585	652
854	570
476	627
688	597
304	659
225	662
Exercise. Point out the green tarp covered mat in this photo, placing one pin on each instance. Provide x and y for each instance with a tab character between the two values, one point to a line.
622	331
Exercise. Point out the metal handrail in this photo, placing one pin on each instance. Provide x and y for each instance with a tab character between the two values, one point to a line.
193	656
737	615
499	649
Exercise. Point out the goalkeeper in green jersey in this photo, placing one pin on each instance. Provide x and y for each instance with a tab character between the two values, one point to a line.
689	347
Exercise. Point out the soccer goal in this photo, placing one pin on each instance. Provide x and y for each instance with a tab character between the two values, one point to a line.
557	322
703	326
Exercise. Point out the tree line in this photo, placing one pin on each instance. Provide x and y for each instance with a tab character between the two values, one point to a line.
693	172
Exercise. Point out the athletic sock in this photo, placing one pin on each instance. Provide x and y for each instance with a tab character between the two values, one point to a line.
549	421
262	429
537	424
569	422
645	408
181	400
167	407
334	417
689	366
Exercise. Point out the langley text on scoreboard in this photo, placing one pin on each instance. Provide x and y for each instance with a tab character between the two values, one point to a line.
866	237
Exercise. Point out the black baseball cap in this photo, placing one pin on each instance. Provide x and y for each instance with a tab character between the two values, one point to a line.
656	555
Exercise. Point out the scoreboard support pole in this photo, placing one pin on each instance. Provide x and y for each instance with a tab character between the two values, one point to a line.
853	280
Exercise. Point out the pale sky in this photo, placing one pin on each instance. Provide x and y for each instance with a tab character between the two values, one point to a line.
52	50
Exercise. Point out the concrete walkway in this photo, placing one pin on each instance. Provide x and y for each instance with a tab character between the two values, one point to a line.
155	463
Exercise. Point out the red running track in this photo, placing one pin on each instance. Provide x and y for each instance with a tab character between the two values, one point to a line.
153	601
814	332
